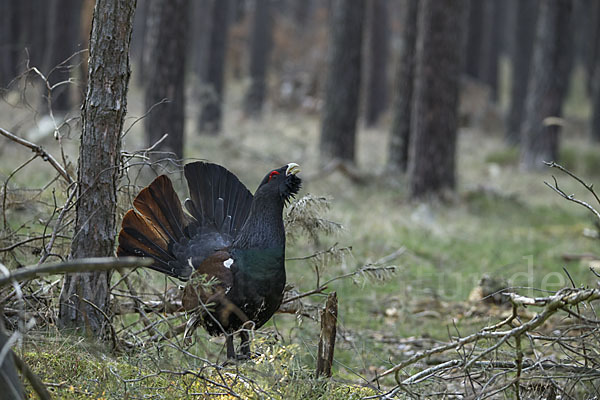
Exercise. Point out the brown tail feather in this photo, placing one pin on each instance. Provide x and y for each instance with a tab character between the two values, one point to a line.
156	224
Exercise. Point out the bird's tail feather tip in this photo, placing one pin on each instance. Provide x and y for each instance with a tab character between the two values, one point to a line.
154	226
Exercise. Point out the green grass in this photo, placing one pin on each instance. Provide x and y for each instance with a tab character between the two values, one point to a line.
75	370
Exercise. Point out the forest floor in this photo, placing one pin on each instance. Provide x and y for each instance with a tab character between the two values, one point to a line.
500	223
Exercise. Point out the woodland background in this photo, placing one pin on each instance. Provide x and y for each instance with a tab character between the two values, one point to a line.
422	128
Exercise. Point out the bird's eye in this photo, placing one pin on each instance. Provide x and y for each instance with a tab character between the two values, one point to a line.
272	174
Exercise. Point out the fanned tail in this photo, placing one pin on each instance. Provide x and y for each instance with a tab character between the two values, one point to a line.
158	228
155	228
217	198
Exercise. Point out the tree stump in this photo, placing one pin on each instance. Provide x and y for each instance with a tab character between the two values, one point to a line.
327	338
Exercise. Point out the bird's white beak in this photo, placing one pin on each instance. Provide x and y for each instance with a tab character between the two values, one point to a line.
292	169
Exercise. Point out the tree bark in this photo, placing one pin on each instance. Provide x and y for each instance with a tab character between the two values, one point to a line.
138	41
342	87
490	52
103	114
326	348
8	17
403	91
474	38
595	85
63	40
260	49
434	118
548	85
201	25
166	31
212	83
377	60
33	30
593	46
522	47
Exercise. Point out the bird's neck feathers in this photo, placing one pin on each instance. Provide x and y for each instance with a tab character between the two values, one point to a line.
263	228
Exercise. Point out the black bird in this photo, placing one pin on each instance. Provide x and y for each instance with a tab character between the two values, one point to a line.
231	245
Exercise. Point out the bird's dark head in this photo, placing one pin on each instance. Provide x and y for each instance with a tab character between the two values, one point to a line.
283	182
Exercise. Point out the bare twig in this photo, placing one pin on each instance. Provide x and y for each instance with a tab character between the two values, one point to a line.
25	241
571	197
40	152
589	187
551	305
80	265
57	227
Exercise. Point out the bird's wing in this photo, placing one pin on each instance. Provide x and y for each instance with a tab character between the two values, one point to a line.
212	279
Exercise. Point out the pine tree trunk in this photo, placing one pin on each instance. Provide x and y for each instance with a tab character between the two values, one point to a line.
434	119
260	49
166	33
593	46
522	48
548	85
102	119
62	41
342	87
7	42
474	39
35	19
212	83
400	133
138	42
377	61
490	51
301	13
201	26
595	84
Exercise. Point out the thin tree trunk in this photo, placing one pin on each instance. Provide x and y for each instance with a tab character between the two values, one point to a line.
522	48
490	52
548	85
63	41
595	84
400	133
138	41
36	22
8	42
212	84
593	46
434	119
474	38
201	25
102	120
167	31
342	87
377	84
260	49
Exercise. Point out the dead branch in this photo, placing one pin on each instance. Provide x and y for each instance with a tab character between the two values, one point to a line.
589	187
40	152
57	227
327	338
147	306
571	197
551	304
80	265
29	240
